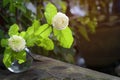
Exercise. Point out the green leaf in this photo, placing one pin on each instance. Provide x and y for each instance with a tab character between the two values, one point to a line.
35	31
30	31
50	12
43	31
5	2
64	37
36	25
29	37
46	43
22	34
7	57
47	32
31	40
4	42
21	57
83	32
13	30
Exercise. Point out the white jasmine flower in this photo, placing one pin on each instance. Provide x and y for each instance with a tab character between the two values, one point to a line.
17	43
60	21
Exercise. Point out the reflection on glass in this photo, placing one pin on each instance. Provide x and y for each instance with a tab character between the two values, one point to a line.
18	68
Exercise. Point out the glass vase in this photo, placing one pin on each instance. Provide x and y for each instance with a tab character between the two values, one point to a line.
18	68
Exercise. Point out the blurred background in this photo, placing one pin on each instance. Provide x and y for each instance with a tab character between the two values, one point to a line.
95	25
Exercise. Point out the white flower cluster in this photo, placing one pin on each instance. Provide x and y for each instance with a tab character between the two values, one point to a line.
60	21
17	43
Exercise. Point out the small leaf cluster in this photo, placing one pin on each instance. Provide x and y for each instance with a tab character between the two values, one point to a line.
37	34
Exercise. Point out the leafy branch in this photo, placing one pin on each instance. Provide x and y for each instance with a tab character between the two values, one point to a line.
37	34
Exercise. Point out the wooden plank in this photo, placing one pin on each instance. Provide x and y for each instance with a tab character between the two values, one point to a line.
51	69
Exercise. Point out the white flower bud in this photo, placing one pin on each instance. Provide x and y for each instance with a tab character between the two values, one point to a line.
17	43
60	21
